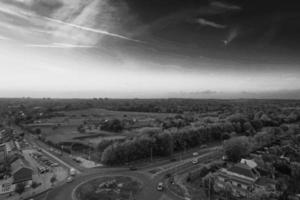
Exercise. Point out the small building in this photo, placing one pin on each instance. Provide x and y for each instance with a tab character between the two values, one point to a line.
242	179
21	172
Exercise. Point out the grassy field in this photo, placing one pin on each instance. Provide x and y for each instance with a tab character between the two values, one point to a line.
63	128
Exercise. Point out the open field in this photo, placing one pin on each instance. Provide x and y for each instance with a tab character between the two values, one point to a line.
64	126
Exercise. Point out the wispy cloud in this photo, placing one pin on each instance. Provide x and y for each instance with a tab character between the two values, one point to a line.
84	28
74	25
227	6
205	22
60	45
233	33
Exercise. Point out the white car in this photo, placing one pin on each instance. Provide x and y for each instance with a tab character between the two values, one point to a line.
195	161
69	179
160	186
195	154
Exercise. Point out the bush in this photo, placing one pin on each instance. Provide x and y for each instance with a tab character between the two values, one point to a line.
20	188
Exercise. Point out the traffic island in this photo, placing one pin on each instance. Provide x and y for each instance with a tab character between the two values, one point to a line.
107	188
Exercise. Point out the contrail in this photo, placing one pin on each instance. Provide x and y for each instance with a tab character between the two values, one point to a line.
222	5
92	30
205	22
60	45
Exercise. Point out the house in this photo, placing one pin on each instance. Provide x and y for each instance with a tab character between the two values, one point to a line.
240	179
21	172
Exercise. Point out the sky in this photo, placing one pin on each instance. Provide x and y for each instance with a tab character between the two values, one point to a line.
149	49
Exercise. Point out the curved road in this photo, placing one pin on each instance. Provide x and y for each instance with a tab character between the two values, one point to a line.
149	192
149	180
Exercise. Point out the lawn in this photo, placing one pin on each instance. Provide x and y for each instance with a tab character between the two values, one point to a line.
109	188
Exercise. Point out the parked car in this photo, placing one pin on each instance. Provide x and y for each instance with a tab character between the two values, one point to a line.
69	179
195	154
160	186
42	170
54	165
133	168
72	172
173	159
195	161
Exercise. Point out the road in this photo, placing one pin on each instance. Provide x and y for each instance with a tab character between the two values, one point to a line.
149	181
145	174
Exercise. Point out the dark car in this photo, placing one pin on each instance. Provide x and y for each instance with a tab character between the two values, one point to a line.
133	168
173	159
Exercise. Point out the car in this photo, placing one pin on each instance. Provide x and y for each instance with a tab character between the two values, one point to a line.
160	186
133	168
69	179
195	161
203	146
173	159
54	165
76	160
48	162
72	172
195	154
42	170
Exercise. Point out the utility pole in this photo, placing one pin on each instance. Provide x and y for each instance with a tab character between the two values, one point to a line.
151	149
90	149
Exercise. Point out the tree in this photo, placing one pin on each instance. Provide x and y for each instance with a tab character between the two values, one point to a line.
114	125
20	188
53	179
38	131
236	148
81	128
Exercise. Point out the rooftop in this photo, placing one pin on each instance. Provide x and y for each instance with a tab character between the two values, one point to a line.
244	170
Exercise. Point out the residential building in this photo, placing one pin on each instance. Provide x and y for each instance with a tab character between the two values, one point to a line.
21	172
239	179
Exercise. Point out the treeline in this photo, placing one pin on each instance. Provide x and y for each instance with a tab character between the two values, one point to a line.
163	142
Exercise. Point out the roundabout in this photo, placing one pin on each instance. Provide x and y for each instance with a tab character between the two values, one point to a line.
108	188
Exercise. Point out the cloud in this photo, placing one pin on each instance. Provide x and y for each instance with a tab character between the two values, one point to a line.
233	33
205	22
60	45
76	24
93	30
15	11
223	5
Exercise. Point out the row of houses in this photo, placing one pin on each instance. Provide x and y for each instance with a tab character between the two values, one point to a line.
14	169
